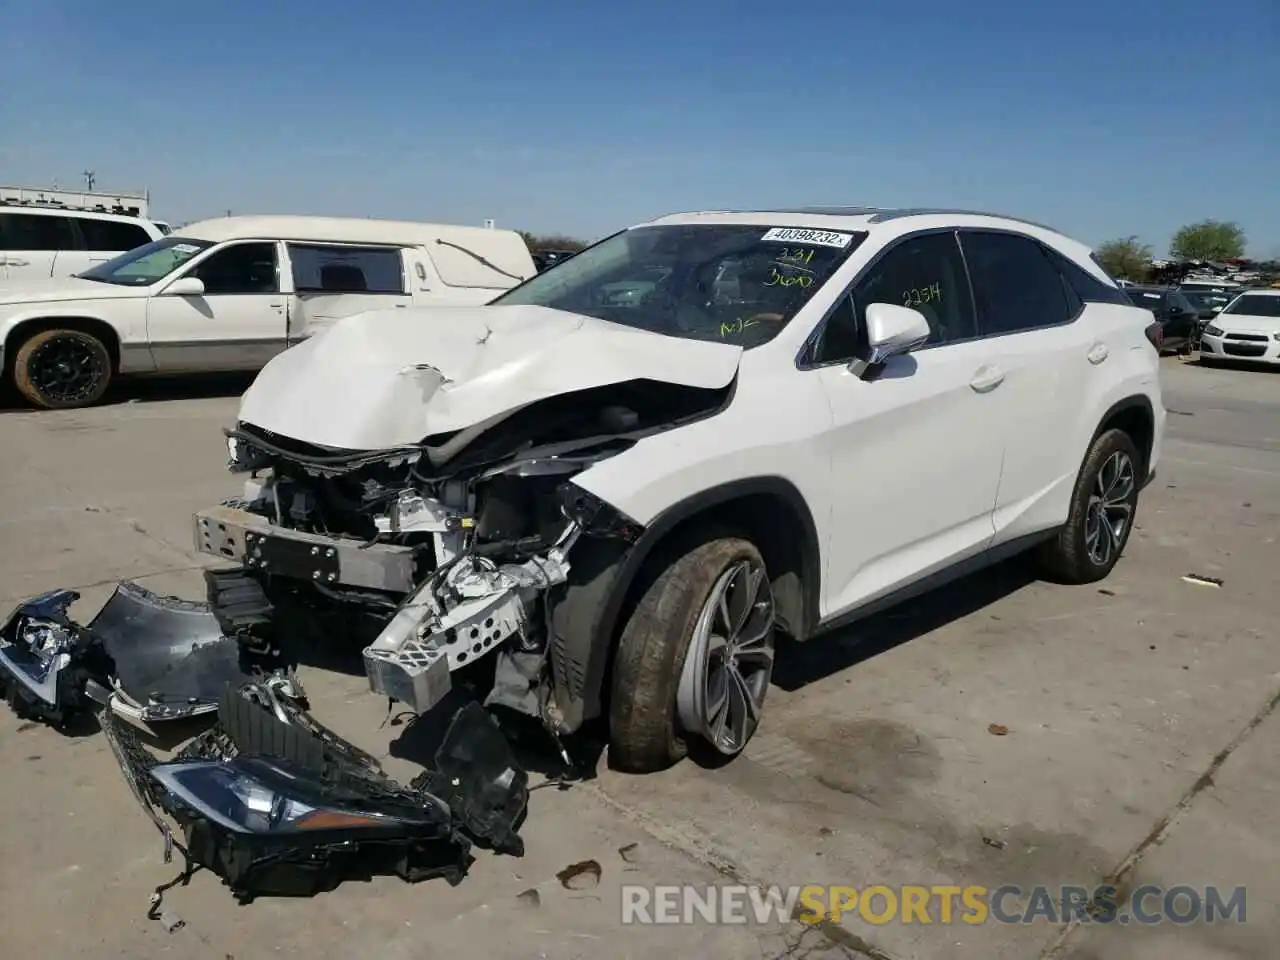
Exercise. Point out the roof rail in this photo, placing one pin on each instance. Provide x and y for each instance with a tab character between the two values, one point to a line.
117	209
884	214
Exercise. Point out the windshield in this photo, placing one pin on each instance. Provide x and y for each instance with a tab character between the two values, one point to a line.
1255	305
144	265
1206	300
734	283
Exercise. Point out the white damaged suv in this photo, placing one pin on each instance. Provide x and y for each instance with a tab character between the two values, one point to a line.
605	494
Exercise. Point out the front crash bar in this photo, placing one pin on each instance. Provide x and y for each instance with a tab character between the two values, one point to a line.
456	617
252	539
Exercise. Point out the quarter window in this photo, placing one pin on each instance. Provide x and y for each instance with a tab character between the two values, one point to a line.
1084	284
241	268
338	269
111	235
1015	286
32	231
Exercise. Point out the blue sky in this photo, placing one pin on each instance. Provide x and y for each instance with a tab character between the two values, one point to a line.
1104	119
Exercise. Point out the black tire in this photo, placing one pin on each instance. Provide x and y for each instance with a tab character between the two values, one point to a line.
644	732
1207	361
1068	557
87	369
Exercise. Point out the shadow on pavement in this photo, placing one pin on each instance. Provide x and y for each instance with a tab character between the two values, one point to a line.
799	665
151	390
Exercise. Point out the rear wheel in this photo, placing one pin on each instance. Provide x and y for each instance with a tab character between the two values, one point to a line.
1103	507
694	660
60	369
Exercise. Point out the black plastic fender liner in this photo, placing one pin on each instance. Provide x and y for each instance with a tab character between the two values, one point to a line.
477	775
585	618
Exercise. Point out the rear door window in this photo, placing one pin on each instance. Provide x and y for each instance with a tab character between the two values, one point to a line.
1015	285
111	235
340	269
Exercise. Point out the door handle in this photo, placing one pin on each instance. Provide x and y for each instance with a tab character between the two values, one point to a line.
987	379
1097	353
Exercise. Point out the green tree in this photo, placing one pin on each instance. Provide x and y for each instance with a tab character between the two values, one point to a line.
1208	240
1126	258
551	242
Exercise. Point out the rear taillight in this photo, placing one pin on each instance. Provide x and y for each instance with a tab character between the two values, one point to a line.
1155	333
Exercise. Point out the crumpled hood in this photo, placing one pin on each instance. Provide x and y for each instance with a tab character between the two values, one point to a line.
58	289
391	378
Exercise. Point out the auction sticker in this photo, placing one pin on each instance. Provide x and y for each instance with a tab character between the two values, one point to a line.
800	235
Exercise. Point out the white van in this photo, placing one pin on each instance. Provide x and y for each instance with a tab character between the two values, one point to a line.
37	243
231	293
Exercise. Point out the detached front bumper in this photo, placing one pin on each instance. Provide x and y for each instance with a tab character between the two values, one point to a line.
155	658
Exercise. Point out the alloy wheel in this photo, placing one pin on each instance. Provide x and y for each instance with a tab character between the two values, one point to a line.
66	369
1110	508
730	660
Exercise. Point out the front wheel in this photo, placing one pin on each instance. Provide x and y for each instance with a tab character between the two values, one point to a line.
694	659
61	369
1103	507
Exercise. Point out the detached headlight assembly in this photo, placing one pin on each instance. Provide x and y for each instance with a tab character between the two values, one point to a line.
44	638
260	795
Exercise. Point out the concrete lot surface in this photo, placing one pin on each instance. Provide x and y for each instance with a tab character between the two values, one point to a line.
1135	738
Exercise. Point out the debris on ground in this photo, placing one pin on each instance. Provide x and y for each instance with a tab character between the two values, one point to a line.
275	804
580	876
998	730
267	798
153	658
994	842
1202	581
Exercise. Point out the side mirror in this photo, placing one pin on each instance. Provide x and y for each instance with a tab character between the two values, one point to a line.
891	330
185	287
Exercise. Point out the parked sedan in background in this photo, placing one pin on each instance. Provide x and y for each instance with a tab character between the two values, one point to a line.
1208	304
1248	328
1178	317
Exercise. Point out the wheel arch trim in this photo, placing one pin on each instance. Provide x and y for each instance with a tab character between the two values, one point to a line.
586	617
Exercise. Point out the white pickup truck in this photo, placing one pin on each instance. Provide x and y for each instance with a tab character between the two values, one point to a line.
229	294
